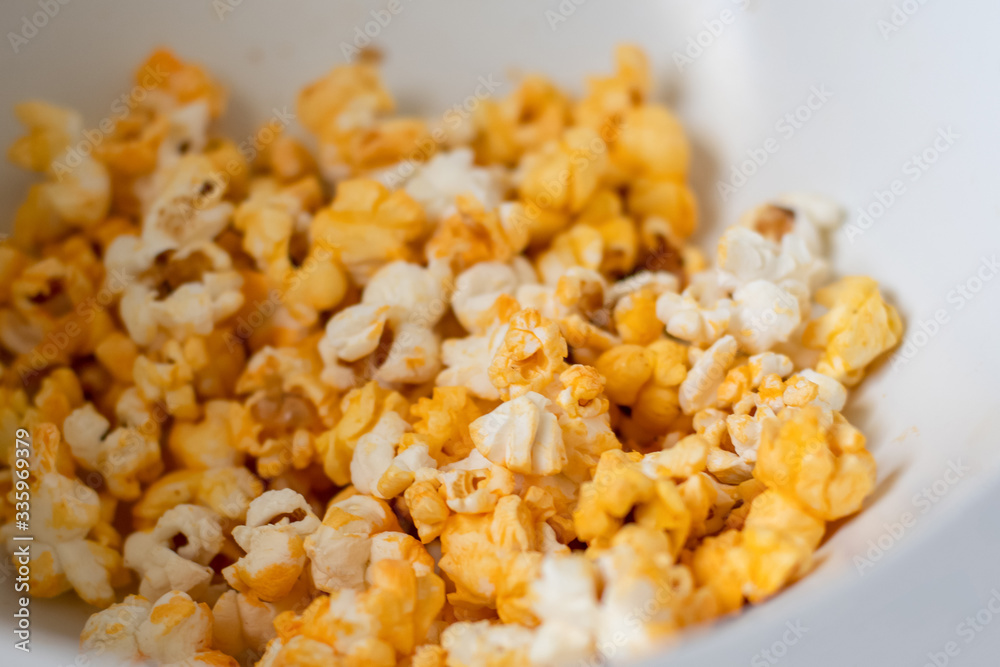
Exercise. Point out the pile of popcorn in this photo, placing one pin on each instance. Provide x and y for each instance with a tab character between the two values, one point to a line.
436	394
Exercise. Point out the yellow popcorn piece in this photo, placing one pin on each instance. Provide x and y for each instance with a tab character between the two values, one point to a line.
474	234
665	198
563	175
277	523
185	82
367	226
531	355
620	487
817	458
475	548
444	418
857	328
531	116
360	409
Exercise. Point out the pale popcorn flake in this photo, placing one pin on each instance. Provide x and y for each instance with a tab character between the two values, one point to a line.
698	390
435	185
521	435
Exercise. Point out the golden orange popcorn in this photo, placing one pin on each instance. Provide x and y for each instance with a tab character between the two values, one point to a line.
438	393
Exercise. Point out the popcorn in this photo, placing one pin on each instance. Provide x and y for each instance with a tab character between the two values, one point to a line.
763	316
699	388
468	361
534	113
173	630
444	419
402	302
361	409
557	594
446	175
340	549
818	459
532	353
483	343
386	458
473	485
475	234
125	456
64	512
368	226
209	442
478	288
276	525
582	411
227	491
621	486
475	548
281	420
563	175
174	555
374	627
697	315
857	328
522	435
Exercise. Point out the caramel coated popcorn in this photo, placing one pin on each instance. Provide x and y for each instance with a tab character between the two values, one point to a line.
422	397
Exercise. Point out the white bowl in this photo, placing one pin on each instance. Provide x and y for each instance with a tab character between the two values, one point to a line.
887	84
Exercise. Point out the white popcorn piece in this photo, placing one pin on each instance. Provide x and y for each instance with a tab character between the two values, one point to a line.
763	315
564	599
176	630
769	363
340	549
393	545
112	632
194	308
832	394
467	361
482	643
276	525
174	556
474	484
661	281
353	333
379	467
417	290
403	300
700	314
699	389
185	207
521	435
126	456
478	287
435	185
